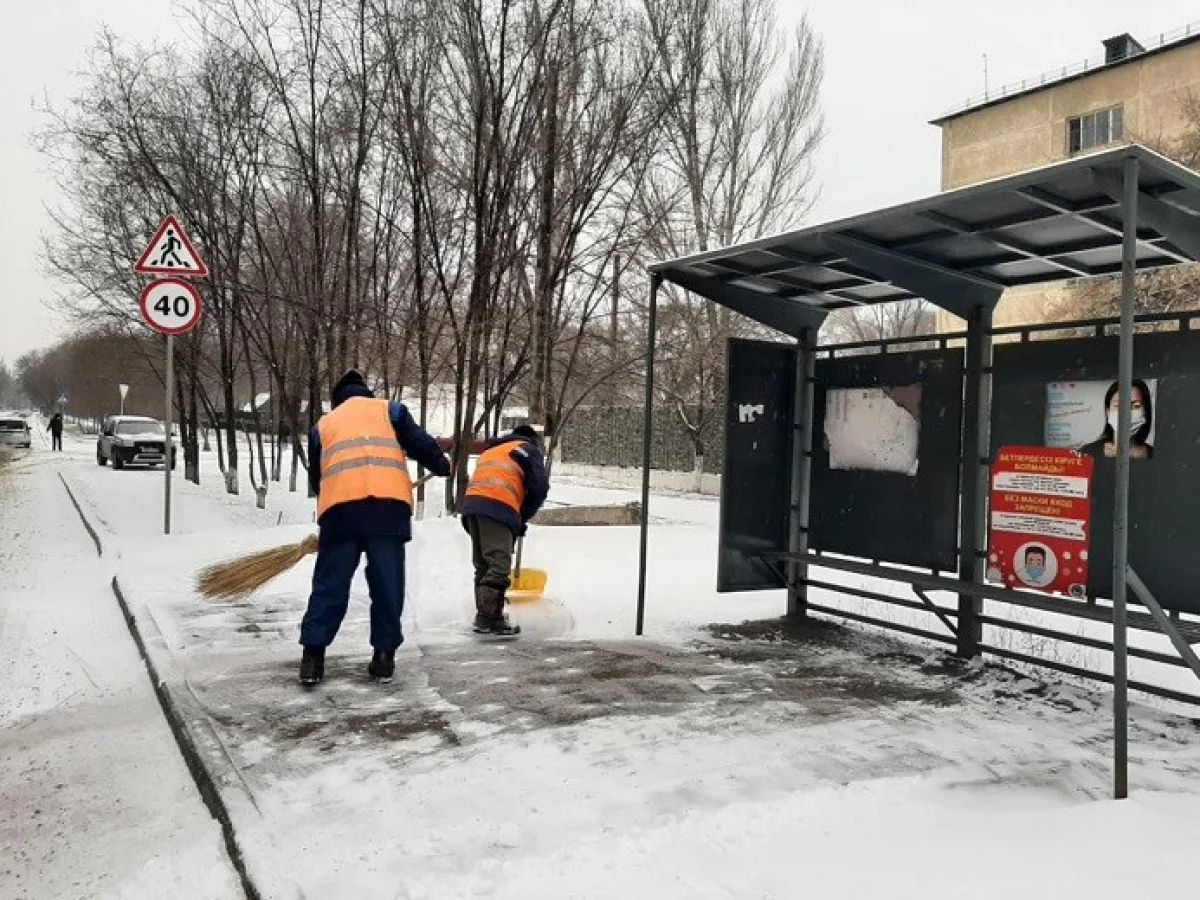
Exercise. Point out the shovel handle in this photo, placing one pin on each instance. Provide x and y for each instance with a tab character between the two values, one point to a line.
520	547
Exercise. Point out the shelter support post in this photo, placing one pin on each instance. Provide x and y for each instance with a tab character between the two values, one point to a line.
802	443
976	453
1129	214
647	438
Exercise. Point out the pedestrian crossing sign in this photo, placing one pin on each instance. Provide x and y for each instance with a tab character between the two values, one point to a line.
171	253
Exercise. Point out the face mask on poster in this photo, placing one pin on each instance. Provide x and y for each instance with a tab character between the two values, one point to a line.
1035	572
1136	420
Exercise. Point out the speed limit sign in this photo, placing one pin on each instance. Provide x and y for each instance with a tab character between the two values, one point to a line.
171	306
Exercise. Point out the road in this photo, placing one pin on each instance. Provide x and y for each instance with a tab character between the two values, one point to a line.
95	799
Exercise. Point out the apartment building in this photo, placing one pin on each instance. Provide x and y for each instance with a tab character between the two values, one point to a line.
1134	91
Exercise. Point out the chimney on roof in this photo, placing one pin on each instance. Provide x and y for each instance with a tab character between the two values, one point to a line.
1121	47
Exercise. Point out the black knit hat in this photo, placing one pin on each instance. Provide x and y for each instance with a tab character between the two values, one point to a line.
528	433
352	384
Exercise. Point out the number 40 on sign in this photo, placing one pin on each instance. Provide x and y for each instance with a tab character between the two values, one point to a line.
171	306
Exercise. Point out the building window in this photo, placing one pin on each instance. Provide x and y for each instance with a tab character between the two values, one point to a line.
1095	129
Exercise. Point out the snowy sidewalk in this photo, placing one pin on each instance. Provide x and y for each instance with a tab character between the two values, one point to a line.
740	761
95	799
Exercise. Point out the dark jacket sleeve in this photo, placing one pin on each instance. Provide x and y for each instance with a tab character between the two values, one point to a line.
416	442
314	460
537	482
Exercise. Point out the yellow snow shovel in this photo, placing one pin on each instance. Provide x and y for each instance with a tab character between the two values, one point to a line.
525	585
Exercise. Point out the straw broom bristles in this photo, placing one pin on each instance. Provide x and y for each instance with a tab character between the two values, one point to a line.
238	578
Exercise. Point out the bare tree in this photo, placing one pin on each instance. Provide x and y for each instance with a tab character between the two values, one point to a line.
741	127
598	121
901	319
431	190
11	392
135	144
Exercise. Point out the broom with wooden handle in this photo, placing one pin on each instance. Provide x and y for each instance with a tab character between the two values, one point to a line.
238	578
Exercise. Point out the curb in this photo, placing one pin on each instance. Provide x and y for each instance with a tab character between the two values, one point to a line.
190	752
201	777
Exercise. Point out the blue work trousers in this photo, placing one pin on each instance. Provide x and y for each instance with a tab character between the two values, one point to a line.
334	570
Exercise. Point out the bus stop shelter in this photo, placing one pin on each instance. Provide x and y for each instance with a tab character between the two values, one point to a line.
1114	212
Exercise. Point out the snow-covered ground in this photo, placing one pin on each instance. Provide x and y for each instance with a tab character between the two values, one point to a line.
743	760
95	800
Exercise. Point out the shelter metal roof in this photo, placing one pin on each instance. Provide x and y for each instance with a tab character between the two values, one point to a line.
961	248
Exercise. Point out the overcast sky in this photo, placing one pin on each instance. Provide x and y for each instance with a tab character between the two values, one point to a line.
890	67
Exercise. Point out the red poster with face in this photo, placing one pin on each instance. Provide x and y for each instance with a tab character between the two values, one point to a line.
1040	519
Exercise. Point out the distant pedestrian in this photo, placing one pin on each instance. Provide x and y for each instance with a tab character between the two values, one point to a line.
507	488
358	468
55	428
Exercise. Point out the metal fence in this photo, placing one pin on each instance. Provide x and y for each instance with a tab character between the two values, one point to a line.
612	436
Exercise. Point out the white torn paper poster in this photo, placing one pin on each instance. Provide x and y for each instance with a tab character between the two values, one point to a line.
868	429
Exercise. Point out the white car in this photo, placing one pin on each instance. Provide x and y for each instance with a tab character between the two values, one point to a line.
132	441
14	432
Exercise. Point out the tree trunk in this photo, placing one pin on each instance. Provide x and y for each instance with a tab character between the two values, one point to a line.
544	289
293	480
260	487
231	436
191	449
314	407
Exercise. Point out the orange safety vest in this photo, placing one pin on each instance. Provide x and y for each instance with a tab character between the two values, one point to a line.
360	456
498	477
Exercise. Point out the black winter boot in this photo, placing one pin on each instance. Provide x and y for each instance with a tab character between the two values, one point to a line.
489	613
382	666
499	627
489	603
502	627
312	665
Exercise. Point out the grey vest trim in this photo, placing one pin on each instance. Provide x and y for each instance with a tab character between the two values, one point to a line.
355	443
363	461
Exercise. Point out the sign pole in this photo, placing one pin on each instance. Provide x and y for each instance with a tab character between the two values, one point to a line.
167	418
170	306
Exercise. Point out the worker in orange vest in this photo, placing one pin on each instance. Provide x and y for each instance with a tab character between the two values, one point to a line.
358	468
507	488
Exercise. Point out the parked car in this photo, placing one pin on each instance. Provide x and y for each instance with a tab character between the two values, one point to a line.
14	432
132	441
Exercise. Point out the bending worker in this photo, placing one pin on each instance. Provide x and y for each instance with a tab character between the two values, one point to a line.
357	465
507	488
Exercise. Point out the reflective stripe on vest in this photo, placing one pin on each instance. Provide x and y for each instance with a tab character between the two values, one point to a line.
360	457
499	477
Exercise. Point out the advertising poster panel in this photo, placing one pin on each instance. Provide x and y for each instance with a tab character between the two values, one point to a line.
1040	519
